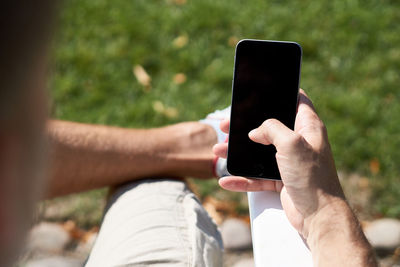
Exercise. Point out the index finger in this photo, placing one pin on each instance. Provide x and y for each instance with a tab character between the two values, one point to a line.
305	102
306	113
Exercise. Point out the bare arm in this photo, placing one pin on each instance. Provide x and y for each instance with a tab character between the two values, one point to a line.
84	156
336	239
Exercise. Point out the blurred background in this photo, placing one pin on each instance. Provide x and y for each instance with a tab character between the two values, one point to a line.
148	63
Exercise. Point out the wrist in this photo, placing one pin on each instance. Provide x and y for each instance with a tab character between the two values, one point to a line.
190	152
335	228
326	220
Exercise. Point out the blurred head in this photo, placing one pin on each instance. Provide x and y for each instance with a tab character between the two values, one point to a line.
24	30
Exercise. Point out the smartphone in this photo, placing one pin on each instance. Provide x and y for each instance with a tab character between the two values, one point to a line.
265	85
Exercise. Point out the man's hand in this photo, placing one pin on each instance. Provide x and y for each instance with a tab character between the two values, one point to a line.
305	162
311	194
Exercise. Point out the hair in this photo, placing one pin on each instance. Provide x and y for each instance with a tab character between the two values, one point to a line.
25	30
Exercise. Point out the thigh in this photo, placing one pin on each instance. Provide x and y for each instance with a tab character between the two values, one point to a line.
159	223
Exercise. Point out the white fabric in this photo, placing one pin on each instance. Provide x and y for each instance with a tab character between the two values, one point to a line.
214	119
157	223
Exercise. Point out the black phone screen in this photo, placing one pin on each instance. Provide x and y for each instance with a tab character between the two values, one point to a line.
265	85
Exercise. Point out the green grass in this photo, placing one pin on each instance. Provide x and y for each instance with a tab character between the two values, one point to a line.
350	68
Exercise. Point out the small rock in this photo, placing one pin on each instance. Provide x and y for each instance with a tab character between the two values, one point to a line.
54	261
236	234
49	237
249	262
383	233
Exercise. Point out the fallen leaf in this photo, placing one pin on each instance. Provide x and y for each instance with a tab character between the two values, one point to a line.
374	166
180	41
363	183
171	112
212	211
77	233
142	76
221	210
232	41
158	106
226	208
245	218
193	187
87	236
74	231
179	78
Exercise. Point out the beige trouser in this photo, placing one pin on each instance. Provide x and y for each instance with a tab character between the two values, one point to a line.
157	223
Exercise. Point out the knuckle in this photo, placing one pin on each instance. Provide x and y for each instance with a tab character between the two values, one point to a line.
318	125
269	123
295	140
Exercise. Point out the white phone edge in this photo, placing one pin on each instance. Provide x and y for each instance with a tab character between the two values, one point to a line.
275	241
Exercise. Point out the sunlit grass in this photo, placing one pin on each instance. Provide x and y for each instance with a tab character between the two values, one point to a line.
350	69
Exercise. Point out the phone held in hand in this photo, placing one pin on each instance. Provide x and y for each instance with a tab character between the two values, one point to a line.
265	85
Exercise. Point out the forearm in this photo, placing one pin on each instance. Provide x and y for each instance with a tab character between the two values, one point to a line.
336	238
86	156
